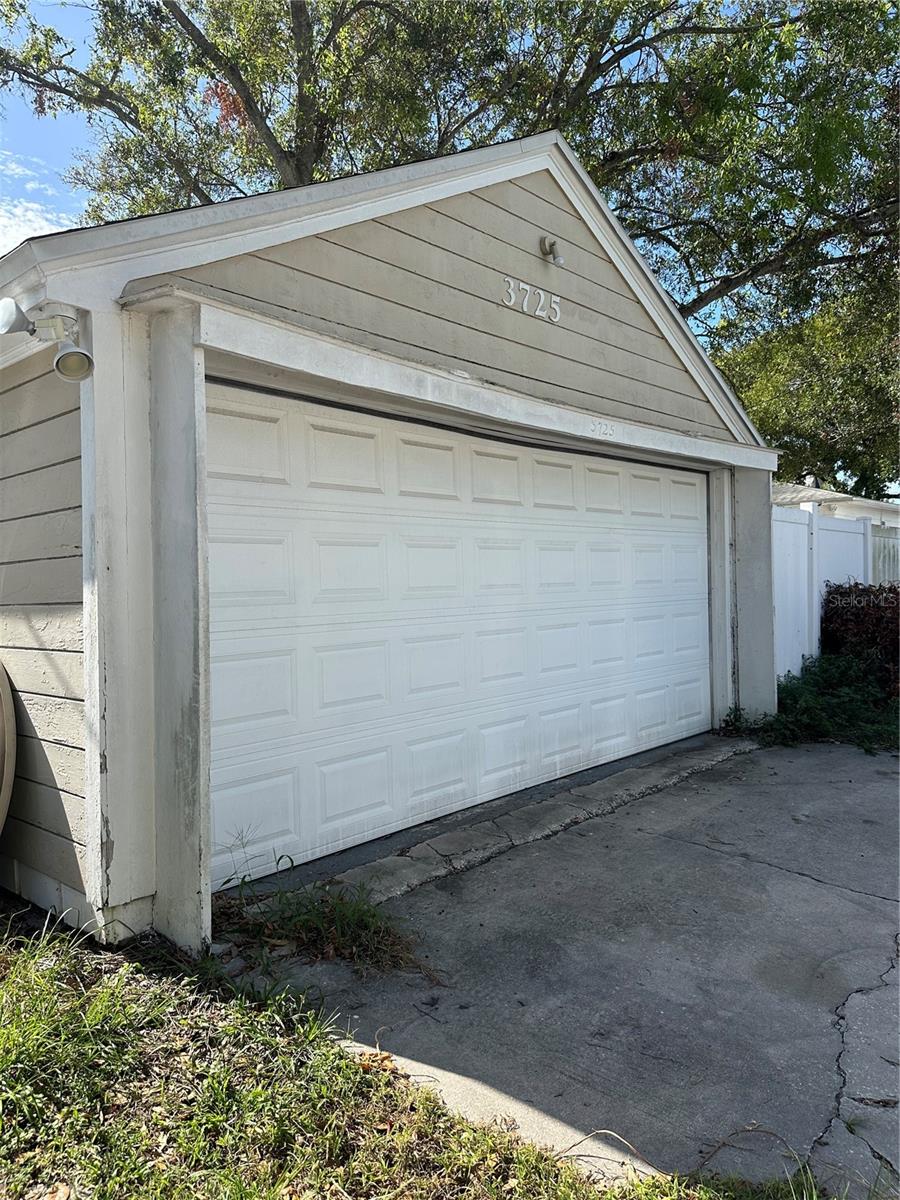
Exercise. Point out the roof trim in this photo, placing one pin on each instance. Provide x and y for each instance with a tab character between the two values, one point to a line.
268	215
95	266
790	495
637	271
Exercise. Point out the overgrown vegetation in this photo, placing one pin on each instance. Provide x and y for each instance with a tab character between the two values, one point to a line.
849	693
315	922
118	1081
862	620
835	698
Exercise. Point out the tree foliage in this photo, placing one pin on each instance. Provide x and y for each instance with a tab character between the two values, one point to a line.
747	144
825	391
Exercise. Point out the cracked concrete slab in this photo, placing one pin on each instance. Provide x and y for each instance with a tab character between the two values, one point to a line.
392	876
700	971
470	845
537	821
863	1133
870	1058
876	1126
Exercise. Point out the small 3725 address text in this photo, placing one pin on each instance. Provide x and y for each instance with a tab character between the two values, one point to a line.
533	301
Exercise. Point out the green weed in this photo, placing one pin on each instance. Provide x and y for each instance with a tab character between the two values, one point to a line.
835	698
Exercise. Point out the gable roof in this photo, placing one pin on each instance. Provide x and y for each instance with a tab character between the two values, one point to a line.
789	495
90	266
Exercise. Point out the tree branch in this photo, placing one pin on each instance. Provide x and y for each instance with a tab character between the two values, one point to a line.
100	97
283	162
779	262
306	127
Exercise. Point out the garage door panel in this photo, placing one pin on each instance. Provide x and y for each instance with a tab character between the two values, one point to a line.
561	732
281	573
249	443
304	681
354	452
303	804
440	771
405	622
428	468
255	819
250	567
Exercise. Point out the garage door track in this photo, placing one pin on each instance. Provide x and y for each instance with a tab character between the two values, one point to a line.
707	973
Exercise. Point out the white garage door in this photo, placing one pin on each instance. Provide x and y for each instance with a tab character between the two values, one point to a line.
406	621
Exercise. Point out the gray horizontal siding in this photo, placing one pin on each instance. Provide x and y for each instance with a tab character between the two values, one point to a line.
48	489
46	672
41	628
45	626
51	764
50	718
54	440
427	284
50	809
42	581
56	857
44	536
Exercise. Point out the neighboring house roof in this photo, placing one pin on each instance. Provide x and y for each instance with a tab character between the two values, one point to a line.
84	267
839	503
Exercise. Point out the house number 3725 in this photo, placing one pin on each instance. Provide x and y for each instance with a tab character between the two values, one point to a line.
532	300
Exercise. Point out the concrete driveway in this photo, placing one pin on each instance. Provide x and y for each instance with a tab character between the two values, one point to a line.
708	973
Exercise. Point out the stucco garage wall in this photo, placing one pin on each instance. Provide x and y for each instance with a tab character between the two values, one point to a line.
428	285
41	637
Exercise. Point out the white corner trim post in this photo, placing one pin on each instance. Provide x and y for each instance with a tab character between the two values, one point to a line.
868	550
181	627
753	581
120	857
722	610
813	590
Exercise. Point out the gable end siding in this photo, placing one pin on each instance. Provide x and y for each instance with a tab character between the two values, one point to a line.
41	632
427	285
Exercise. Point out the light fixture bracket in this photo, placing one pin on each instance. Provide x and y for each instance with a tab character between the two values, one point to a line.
56	328
549	250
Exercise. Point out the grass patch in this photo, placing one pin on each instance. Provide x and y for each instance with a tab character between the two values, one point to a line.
118	1081
317	923
835	698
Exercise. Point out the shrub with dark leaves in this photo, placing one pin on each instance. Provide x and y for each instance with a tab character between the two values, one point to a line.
861	620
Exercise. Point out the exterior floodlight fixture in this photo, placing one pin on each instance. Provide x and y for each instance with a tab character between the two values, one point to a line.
14	319
71	362
549	251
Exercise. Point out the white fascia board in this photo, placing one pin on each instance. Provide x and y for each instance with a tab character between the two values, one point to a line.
579	187
316	356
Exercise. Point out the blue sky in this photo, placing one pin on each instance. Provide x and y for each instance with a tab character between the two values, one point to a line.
35	151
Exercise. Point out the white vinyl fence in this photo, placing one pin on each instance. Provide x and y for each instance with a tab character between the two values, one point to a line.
885	554
809	551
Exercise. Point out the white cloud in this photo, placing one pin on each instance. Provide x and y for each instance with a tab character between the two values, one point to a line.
24	181
21	219
13	166
33	186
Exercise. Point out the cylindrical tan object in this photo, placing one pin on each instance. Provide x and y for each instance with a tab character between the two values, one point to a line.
7	744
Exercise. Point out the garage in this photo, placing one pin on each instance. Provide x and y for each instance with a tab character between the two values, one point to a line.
407	620
381	498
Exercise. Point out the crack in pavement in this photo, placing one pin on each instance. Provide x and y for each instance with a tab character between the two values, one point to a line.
842	887
839	1022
